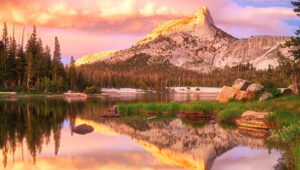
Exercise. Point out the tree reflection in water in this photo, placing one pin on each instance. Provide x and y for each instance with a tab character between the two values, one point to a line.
31	123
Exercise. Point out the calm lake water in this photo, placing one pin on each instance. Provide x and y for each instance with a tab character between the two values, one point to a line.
35	134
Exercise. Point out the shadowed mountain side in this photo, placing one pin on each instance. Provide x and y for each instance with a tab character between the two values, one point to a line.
174	143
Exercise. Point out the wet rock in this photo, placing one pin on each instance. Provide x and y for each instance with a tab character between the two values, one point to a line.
241	84
83	129
253	120
265	95
255	88
226	94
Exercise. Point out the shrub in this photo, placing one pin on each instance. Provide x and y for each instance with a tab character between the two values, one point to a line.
287	92
288	134
274	91
19	89
91	90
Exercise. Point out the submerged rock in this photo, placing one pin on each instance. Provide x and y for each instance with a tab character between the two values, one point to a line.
253	120
83	129
226	94
241	84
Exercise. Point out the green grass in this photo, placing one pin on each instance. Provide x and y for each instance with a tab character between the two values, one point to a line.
170	108
229	115
6	95
285	109
282	118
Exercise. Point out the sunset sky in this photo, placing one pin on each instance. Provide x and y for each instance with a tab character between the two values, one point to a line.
88	26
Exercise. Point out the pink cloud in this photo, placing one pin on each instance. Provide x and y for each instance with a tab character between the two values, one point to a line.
94	25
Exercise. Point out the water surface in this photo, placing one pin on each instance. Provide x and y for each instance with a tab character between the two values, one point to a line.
35	133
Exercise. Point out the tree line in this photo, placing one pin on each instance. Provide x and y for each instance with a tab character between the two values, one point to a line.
136	73
31	67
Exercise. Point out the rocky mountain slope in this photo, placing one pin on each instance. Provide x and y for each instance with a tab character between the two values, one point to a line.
195	43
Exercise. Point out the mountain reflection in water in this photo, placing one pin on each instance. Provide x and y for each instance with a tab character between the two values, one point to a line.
36	133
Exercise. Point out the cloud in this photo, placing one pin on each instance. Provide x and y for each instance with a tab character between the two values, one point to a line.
133	16
96	24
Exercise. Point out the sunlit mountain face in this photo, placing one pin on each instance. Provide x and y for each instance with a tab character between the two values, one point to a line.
85	27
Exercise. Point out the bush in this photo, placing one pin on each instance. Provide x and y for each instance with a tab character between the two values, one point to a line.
288	134
91	90
7	89
274	91
287	92
19	89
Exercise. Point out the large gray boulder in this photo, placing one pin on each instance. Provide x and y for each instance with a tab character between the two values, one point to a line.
241	84
255	88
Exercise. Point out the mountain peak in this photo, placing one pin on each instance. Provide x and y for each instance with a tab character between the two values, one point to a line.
203	15
200	23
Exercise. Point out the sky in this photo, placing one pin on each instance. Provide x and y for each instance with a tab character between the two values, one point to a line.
89	26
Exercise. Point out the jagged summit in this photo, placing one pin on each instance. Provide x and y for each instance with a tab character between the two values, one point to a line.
203	16
200	23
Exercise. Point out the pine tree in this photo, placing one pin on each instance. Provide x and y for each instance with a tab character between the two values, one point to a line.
20	65
3	55
11	61
292	65
31	52
29	61
38	67
1	62
47	62
56	63
72	73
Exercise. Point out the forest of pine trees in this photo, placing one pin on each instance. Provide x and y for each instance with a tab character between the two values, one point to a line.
31	67
136	73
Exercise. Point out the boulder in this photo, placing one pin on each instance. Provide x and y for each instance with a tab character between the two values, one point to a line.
265	95
83	129
241	95
226	94
255	88
241	84
251	119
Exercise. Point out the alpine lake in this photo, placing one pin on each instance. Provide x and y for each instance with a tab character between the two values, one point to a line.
36	134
